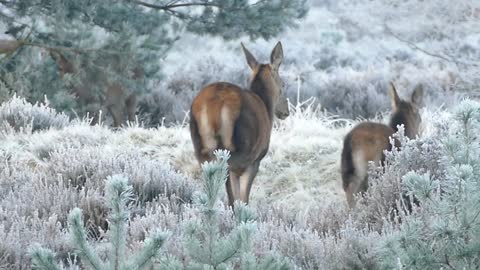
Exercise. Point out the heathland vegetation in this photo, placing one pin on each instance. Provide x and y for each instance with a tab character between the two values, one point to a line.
79	196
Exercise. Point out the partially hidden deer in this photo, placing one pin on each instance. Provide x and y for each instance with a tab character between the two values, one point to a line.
225	116
368	140
116	99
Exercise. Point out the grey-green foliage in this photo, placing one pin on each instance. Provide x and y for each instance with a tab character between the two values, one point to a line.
444	231
105	40
262	19
118	195
43	259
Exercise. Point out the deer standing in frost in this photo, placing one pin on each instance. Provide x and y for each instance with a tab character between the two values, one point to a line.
116	99
367	141
224	116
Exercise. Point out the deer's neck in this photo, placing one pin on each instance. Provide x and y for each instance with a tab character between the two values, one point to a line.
259	87
399	118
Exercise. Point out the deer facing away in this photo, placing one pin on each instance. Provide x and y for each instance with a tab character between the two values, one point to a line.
116	99
224	116
367	141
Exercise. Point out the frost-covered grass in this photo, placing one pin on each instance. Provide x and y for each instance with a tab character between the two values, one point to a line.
297	193
19	115
309	139
340	55
47	173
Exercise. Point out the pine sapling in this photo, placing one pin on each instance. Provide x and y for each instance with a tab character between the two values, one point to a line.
443	232
205	244
118	195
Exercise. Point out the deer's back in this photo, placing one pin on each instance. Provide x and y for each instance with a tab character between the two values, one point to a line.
248	114
115	95
210	101
371	139
365	142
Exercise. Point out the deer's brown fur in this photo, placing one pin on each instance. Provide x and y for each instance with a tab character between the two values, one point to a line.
367	141
224	116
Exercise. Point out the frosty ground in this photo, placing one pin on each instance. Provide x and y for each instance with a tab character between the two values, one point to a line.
297	193
343	57
301	170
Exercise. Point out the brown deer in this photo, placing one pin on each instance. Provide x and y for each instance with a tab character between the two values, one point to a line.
367	141
116	99
224	116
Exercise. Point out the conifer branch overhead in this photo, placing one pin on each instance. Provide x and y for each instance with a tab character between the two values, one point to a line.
174	5
131	30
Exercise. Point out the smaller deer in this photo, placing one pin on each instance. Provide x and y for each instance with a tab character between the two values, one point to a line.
224	115
116	99
367	141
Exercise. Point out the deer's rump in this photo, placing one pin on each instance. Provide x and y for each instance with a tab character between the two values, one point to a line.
223	116
365	142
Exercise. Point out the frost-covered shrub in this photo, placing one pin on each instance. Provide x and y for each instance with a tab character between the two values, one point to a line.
347	245
443	231
46	174
34	216
386	195
36	211
439	229
18	232
85	167
300	206
351	98
18	114
207	244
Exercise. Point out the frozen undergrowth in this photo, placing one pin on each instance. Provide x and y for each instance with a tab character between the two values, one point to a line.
301	169
297	193
340	54
304	153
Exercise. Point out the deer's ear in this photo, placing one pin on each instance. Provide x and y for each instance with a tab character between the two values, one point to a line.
417	95
394	98
276	57
252	62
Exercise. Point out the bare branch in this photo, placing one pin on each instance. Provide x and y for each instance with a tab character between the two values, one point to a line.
9	46
416	47
68	49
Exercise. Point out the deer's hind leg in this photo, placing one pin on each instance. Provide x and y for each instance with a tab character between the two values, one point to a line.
233	188
207	133
117	114
197	141
246	181
131	105
351	190
227	127
358	180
